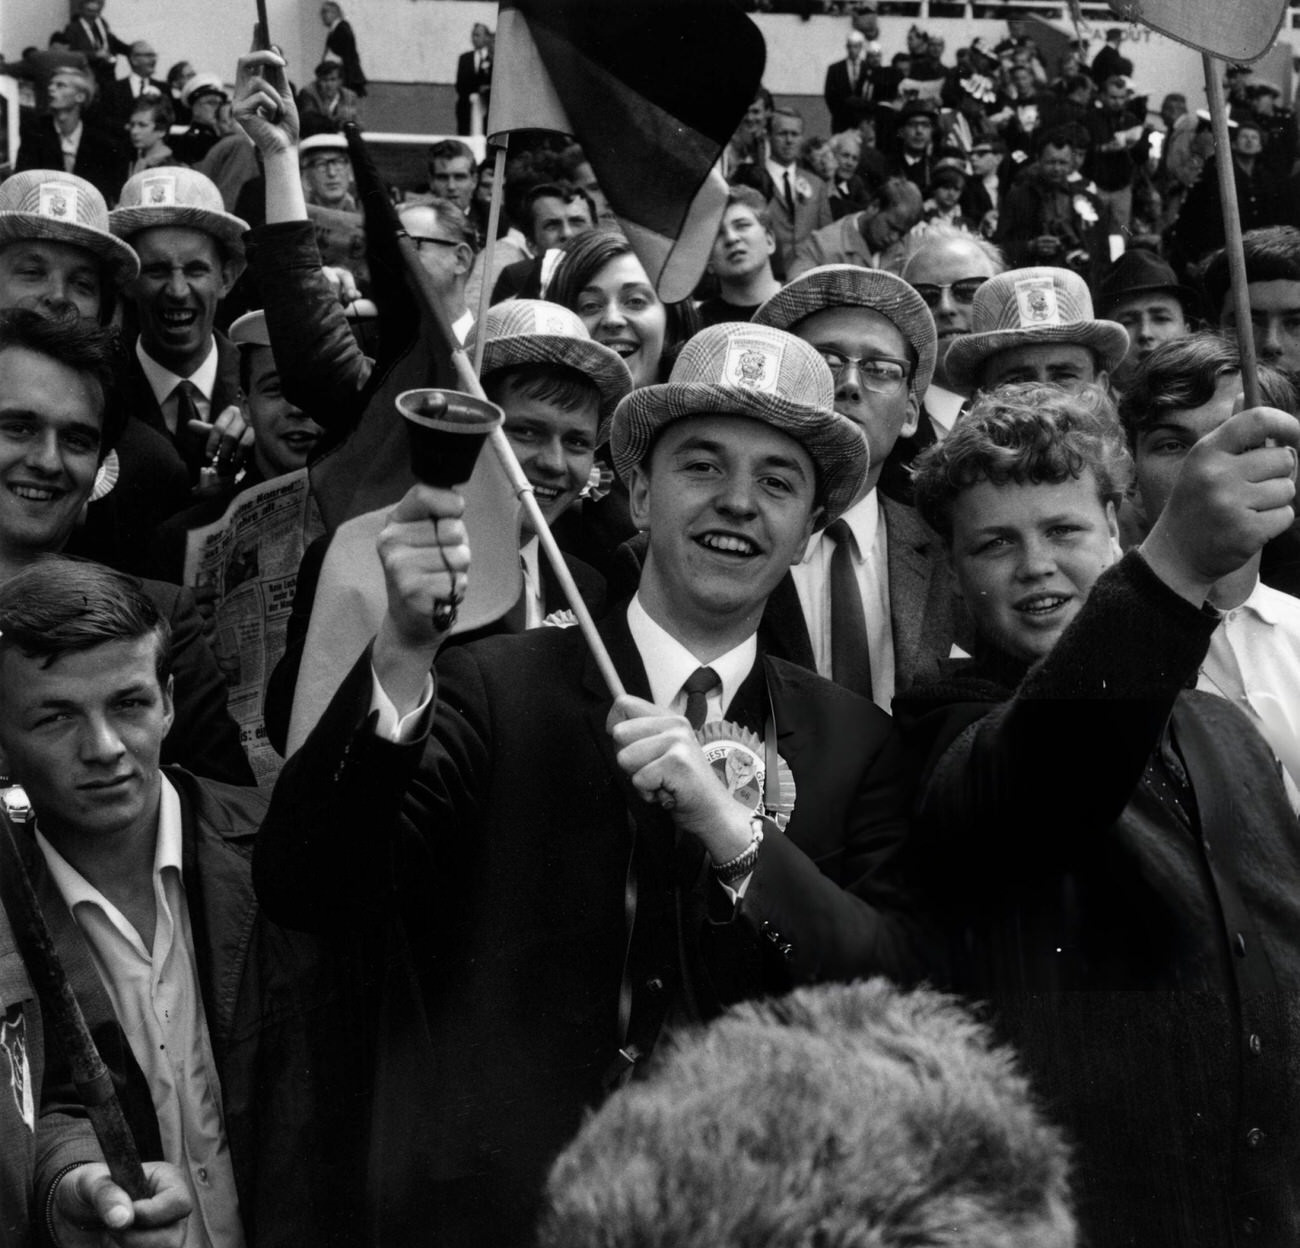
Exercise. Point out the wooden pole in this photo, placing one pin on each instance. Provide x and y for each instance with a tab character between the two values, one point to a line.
1232	228
59	1003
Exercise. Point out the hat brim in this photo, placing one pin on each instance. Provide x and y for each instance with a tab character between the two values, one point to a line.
851	286
967	354
1185	295
120	259
604	367
225	227
834	443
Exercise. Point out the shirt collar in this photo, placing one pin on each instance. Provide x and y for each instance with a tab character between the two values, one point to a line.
75	888
778	172
162	381
863	519
668	663
1263	603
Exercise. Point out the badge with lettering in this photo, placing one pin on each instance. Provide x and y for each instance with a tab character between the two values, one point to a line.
14	1064
737	757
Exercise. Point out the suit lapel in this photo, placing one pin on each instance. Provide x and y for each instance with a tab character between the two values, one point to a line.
784	631
910	571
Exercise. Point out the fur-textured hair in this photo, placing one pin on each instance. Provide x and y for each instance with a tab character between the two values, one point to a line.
159	109
841	1116
58	606
1272	255
545	383
451	149
1184	374
1030	434
937	232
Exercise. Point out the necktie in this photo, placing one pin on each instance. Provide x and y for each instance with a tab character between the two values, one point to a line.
190	444
789	193
850	655
697	687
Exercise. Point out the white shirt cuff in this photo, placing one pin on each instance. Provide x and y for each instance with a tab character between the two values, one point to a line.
399	729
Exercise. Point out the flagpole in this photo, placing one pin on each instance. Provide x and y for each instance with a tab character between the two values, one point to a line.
432	303
489	250
1232	229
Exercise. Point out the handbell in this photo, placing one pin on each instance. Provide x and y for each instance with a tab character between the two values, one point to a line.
447	430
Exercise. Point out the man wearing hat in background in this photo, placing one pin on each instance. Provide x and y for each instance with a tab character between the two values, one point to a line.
1035	325
1140	292
204	96
607	878
326	172
191	251
913	159
868	605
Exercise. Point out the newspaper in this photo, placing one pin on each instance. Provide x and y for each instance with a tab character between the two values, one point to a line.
249	560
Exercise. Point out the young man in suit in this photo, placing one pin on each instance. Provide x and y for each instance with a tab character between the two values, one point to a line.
796	200
868	604
64	139
848	84
571	871
206	1015
89	34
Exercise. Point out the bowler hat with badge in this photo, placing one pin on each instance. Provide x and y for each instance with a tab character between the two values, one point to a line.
177	197
765	374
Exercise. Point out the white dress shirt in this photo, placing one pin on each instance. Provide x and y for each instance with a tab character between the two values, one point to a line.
812	578
534	602
159	1004
69	144
163	382
777	174
1254	661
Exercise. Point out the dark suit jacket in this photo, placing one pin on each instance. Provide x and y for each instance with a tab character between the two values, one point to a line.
343	44
468	81
848	105
926	618
99	160
139	396
505	844
119	102
283	681
290	1103
80	40
520	280
809	214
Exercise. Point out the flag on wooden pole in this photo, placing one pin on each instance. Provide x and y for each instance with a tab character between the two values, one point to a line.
652	90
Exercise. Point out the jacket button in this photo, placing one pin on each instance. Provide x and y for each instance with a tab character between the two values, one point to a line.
1255	1044
1254	1137
654	985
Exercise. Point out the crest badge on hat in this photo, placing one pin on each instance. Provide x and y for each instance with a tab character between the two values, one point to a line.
158	190
753	364
1036	299
58	201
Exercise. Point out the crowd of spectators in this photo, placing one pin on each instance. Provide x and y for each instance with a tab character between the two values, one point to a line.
950	580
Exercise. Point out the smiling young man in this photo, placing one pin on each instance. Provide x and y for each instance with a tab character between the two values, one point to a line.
580	867
1113	853
191	252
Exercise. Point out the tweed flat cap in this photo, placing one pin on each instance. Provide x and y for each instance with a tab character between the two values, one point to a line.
533	331
751	370
1028	306
851	286
62	208
178	197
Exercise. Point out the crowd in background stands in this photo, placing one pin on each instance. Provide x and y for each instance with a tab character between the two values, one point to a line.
935	498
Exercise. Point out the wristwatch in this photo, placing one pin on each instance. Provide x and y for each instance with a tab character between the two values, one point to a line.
735	869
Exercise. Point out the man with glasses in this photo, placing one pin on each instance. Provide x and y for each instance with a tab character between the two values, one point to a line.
444	237
946	266
327	172
983	191
869	605
869	238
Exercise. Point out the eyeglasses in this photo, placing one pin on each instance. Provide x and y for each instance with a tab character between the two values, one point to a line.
881	374
420	239
962	291
981	151
330	163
